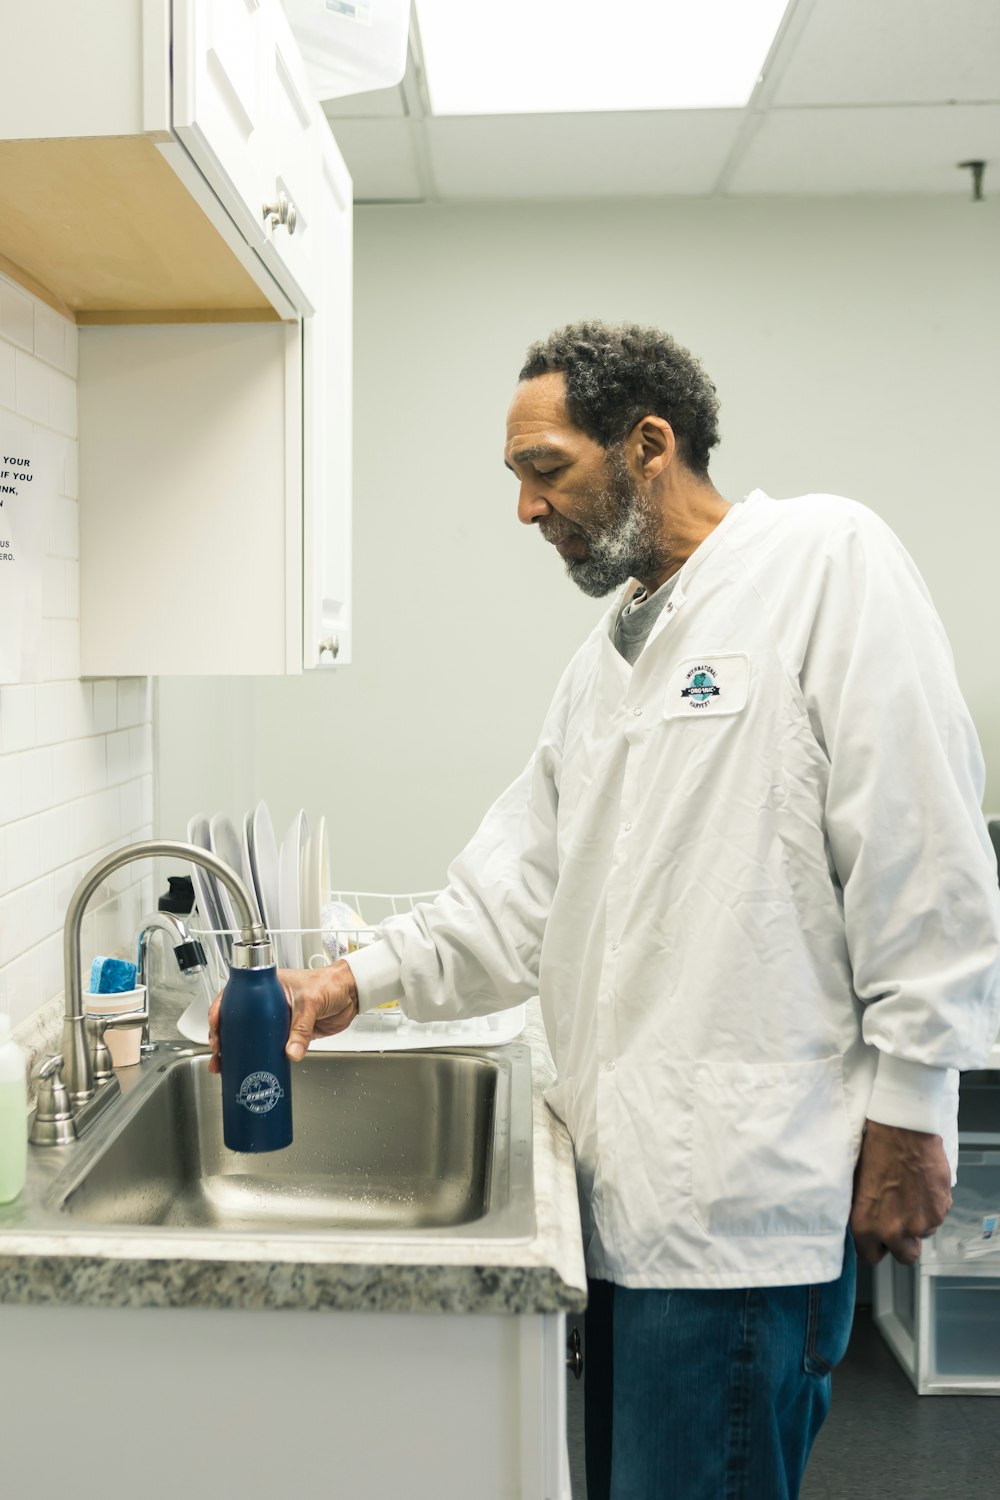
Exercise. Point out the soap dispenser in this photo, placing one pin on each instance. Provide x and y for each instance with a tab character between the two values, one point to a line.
254	1021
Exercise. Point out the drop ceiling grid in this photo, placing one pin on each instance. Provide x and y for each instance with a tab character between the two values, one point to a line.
894	52
855	101
884	150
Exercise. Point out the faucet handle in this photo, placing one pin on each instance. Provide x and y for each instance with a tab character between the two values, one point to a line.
53	1122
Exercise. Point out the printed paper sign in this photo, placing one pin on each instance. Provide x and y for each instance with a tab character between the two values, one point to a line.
25	487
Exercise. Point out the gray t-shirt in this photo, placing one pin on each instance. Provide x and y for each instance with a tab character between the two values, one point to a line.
638	617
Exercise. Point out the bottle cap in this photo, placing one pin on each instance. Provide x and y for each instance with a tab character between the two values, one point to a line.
5	1027
252	955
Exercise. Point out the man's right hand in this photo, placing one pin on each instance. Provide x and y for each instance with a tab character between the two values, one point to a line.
323	1002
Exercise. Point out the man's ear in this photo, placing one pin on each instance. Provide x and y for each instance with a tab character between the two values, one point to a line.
651	446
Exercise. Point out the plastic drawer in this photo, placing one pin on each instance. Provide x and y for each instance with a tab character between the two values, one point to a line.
966	1314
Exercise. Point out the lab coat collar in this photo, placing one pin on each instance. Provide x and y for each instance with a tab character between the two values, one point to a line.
698	558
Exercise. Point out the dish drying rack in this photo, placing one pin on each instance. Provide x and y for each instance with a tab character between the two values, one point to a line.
379	1030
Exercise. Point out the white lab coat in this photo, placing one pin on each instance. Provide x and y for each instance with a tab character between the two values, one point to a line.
751	882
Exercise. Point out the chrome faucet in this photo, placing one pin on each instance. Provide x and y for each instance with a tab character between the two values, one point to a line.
78	1063
189	953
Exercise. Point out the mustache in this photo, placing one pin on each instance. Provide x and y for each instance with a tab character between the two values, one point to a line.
558	530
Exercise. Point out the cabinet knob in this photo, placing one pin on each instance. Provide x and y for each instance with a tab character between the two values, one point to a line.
331	644
281	212
574	1354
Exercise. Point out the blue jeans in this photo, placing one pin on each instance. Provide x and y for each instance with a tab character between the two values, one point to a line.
710	1395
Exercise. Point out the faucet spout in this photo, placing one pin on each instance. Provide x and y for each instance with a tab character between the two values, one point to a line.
76	1051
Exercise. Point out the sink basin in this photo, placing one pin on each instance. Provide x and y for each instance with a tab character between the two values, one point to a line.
397	1144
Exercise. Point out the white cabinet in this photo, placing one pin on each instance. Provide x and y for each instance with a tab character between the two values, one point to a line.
345	1405
206	192
243	110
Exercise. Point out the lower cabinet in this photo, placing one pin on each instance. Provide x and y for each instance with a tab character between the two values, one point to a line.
344	1405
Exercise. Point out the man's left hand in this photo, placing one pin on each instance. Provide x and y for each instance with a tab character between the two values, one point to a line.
902	1192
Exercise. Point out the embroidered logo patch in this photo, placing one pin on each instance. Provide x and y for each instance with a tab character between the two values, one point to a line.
709	686
702	686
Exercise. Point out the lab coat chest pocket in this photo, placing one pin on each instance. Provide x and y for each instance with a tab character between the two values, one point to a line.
771	1148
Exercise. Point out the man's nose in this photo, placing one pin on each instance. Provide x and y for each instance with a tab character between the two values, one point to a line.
531	504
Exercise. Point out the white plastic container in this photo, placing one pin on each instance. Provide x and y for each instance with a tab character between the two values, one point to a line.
351	46
13	1116
123	1042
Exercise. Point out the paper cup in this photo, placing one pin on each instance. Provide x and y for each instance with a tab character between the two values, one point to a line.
123	1042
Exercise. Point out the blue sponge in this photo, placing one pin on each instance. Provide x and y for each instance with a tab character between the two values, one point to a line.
111	976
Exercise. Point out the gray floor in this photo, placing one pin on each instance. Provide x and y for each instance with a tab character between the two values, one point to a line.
880	1437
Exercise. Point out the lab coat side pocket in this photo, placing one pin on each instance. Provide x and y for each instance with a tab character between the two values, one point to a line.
771	1148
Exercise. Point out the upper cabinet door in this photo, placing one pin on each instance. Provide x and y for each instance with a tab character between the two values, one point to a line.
242	109
327	513
296	126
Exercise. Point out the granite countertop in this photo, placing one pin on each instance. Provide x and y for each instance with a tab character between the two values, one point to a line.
181	1268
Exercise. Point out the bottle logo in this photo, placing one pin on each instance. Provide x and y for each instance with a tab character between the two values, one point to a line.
259	1093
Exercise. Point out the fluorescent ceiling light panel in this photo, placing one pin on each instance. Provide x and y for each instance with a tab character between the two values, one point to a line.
503	57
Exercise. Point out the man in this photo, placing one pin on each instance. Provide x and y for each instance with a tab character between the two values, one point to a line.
747	873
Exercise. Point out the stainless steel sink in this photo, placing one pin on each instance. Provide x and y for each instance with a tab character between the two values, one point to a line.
386	1144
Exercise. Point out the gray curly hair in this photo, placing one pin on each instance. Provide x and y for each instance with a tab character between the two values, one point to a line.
618	373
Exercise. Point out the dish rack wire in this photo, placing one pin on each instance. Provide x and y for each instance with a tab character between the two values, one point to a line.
374	907
376	1029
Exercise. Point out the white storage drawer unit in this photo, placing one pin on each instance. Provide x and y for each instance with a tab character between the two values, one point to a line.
941	1318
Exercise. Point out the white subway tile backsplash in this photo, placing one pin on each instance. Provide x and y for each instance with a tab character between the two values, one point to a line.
64	637
79	709
10	788
50	712
72	589
36	781
31	384
76	758
8	381
16	315
54	844
17	718
71	469
24	858
64	527
119	762
24	986
53	587
131	700
52	339
62	403
105	706
131	806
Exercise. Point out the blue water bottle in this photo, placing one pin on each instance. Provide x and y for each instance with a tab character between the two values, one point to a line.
254	1021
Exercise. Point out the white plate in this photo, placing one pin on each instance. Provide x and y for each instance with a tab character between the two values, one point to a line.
228	845
289	885
264	864
207	894
316	890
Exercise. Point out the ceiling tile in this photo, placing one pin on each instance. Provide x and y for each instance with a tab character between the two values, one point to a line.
380	158
893	52
580	156
881	150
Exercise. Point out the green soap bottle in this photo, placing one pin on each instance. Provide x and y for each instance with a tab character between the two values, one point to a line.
13	1116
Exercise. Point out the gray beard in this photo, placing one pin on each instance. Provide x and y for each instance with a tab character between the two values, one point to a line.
623	542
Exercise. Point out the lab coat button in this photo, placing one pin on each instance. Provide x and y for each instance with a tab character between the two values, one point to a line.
609	1067
615	946
637	712
627	827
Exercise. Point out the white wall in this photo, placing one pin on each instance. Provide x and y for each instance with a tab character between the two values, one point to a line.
854	345
76	758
